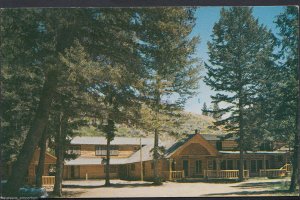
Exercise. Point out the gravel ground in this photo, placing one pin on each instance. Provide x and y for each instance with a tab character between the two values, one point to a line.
120	188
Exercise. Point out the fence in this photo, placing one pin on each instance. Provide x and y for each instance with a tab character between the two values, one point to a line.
224	173
46	180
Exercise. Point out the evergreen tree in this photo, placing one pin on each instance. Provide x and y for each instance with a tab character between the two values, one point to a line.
288	88
238	48
204	109
216	114
168	50
39	40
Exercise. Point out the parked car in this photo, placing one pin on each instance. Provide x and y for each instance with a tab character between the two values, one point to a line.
33	192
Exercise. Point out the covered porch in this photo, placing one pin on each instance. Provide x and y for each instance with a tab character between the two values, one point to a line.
190	158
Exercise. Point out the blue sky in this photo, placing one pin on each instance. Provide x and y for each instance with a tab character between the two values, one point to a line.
206	18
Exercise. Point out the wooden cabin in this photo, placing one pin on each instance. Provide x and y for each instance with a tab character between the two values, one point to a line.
197	156
92	153
49	169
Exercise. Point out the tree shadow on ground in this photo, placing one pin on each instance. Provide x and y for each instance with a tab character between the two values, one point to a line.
258	185
255	193
270	189
214	181
112	185
67	194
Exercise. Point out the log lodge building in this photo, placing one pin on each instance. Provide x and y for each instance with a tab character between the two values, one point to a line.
196	156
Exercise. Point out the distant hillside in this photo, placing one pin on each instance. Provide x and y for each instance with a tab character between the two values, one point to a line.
191	122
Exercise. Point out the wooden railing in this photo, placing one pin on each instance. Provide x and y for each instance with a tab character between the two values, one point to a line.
173	175
224	173
176	175
272	172
287	167
46	180
283	171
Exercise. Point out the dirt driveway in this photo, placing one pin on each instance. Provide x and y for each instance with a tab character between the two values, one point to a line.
122	188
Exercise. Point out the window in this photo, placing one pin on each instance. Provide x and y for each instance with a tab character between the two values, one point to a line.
173	165
245	165
223	165
214	165
112	169
253	166
198	166
51	170
267	164
152	165
256	165
101	150
74	150
132	167
259	165
229	165
219	145
266	146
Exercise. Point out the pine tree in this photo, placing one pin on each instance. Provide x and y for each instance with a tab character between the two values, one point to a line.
288	89
238	48
40	40
172	69
216	114
204	109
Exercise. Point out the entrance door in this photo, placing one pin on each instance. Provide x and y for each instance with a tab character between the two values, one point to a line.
198	167
253	166
123	172
186	167
74	171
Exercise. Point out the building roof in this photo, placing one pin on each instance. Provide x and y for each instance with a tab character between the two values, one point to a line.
117	140
178	144
95	161
135	141
84	161
146	150
216	137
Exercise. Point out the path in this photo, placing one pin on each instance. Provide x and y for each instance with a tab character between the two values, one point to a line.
121	188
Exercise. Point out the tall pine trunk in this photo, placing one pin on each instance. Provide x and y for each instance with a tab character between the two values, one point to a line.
295	164
157	180
296	152
59	151
40	167
155	158
107	170
298	120
241	138
297	134
34	135
1	113
1	171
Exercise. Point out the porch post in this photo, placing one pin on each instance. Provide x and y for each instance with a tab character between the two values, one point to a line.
170	169
218	167
218	164
264	165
